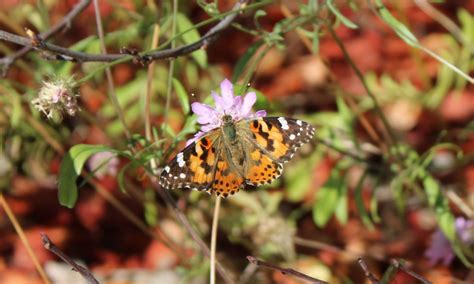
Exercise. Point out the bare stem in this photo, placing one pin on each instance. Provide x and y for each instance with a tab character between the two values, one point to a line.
62	25
149	90
376	105
288	271
171	203
171	67
130	216
445	21
108	72
71	55
399	265
215	218
367	272
49	245
24	240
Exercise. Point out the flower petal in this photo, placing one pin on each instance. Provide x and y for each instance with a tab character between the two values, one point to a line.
205	113
219	101
260	113
227	92
195	138
209	127
234	110
201	109
249	101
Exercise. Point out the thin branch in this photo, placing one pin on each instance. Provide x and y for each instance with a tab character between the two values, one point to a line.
454	198
288	271
398	265
445	21
377	107
148	95
66	54
65	23
367	272
108	72
49	245
171	203
132	218
24	240
215	219
248	272
169	87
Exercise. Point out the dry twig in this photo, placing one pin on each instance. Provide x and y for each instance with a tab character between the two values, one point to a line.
65	54
49	245
288	271
367	272
65	23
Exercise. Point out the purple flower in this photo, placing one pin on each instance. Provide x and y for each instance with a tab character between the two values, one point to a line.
103	163
440	249
57	97
227	104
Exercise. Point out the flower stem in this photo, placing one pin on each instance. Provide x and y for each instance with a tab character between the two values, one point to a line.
108	72
24	240
215	218
171	66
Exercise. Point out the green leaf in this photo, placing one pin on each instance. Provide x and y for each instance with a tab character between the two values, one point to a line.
446	224
71	168
327	198
298	177
360	202
345	112
433	192
182	95
315	42
150	207
240	65
121	177
341	212
192	35
402	31
348	23
258	14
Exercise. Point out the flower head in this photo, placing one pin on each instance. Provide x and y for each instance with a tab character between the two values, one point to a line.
57	97
440	249
103	163
226	104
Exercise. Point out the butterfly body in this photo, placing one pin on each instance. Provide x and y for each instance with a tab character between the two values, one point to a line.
238	153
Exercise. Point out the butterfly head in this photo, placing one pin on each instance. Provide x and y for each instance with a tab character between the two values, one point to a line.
228	127
227	119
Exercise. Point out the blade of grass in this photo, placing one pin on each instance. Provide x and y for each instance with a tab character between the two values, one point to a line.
24	240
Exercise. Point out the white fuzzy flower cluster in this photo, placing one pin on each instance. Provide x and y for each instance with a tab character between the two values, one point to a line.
56	98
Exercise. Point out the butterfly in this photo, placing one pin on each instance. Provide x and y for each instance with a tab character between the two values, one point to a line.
249	152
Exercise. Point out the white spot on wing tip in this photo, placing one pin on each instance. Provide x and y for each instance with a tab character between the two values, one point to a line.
284	123
167	169
180	160
181	175
292	137
299	122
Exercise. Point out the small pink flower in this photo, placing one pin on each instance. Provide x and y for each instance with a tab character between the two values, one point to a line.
103	163
227	104
440	249
57	97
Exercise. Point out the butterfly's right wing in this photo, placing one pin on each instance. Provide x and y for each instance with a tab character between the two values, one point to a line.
271	142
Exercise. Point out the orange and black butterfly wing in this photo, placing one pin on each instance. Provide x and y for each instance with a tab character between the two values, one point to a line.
272	141
194	167
227	178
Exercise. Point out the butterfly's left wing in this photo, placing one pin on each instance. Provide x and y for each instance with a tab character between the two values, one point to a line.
194	167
